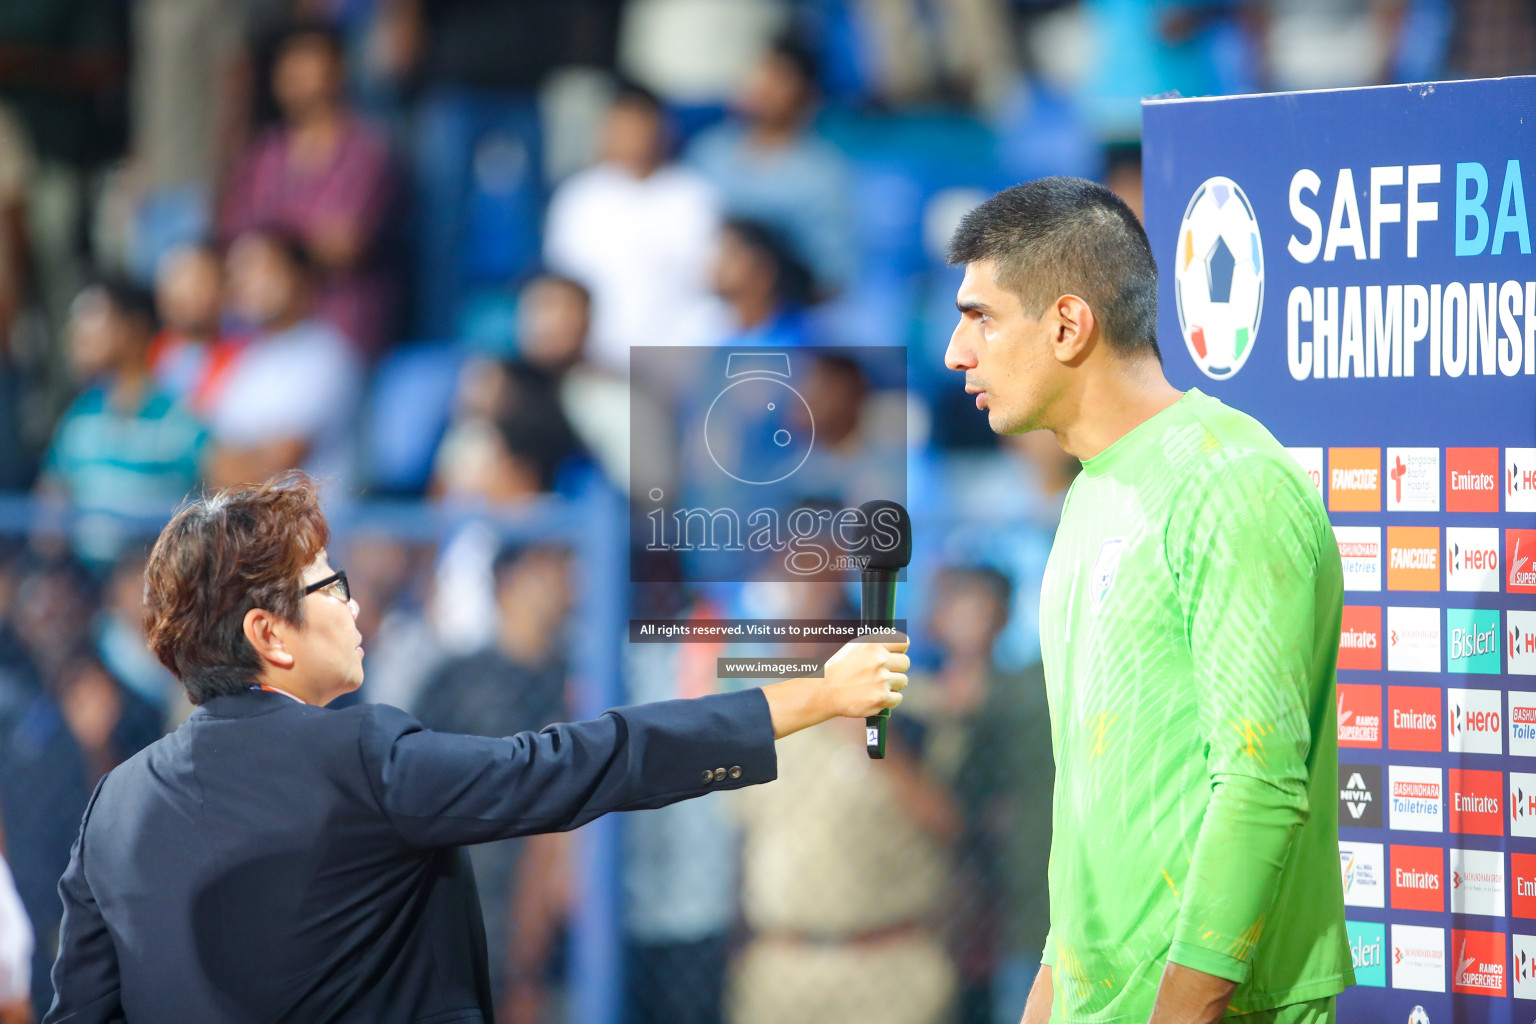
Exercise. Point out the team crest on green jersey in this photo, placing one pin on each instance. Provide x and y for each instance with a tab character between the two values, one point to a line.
1104	568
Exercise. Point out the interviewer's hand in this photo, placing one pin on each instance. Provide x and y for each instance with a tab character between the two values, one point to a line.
858	681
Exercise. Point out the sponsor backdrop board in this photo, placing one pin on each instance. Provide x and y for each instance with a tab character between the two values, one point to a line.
1355	268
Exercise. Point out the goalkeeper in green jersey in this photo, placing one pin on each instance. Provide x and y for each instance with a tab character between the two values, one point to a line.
1190	627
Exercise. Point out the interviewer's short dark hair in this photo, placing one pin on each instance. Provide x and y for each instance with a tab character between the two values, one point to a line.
219	557
1068	236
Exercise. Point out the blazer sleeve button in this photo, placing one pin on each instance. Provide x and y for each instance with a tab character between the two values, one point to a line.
735	771
709	776
719	774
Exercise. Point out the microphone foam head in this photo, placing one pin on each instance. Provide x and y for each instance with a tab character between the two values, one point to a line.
885	534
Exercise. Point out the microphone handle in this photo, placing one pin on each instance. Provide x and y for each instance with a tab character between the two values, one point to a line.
877	610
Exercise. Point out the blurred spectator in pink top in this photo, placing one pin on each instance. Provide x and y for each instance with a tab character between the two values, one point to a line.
328	178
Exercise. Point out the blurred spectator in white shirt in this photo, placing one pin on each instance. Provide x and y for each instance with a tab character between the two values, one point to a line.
15	952
770	167
191	354
637	230
290	397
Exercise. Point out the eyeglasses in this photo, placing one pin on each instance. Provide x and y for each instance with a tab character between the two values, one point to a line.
336	582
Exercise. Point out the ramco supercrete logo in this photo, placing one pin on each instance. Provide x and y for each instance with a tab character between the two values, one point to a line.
1520	561
1479	963
1218	278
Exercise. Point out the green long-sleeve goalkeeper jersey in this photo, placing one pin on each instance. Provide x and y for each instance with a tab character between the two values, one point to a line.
1190	630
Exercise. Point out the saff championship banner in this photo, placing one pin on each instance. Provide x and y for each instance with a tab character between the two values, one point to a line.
1354	268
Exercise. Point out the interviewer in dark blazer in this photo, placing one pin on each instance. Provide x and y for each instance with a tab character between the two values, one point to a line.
274	860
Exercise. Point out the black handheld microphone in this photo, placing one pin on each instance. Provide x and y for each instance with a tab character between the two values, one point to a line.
885	540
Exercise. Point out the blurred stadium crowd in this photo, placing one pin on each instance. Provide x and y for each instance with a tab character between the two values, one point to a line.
408	246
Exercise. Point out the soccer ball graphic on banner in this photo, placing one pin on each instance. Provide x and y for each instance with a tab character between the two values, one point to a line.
1218	278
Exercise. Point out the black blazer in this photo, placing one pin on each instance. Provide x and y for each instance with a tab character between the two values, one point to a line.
271	861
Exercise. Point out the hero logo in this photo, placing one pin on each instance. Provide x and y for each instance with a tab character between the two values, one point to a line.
1522	804
1522	643
1520	479
1525	966
1311	462
1472	559
1474	721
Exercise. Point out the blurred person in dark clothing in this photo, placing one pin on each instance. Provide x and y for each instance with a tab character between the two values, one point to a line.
124	446
985	736
77	729
289	397
117	628
516	685
478	147
769	166
764	284
327	178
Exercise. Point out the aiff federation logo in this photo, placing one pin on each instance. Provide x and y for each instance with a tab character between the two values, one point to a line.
1218	278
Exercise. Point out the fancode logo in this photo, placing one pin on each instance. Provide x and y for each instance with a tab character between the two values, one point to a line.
1476	801
1471	479
1360	638
1479	963
1413	558
1520	557
1472	559
1520	480
1354	479
1418	878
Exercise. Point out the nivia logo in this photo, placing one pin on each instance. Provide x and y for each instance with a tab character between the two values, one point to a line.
1520	479
1359	804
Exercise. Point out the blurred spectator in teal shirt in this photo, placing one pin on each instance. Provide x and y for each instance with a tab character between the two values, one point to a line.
124	447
